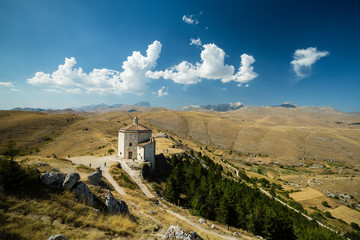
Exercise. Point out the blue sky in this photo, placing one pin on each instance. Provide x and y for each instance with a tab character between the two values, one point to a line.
255	52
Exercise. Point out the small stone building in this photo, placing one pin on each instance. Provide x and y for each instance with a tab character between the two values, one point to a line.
136	142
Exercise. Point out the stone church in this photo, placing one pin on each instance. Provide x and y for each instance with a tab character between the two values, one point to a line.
136	142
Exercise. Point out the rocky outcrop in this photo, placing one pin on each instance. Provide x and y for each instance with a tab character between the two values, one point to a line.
70	180
84	194
57	237
53	180
175	232
202	221
114	206
96	179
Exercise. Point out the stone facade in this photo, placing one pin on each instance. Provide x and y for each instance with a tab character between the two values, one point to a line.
136	142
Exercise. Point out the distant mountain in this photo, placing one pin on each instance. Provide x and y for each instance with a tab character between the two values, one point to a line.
287	105
224	107
143	104
28	109
189	108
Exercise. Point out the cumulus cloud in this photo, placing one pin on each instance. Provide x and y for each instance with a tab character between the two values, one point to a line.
132	79
6	84
196	42
163	91
305	58
211	67
190	19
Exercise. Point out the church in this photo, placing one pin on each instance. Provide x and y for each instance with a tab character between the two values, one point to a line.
136	142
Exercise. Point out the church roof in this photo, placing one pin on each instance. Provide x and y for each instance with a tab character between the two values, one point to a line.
134	127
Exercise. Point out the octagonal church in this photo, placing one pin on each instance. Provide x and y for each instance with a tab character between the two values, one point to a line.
136	142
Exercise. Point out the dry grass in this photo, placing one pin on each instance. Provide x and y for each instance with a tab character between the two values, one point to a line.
122	177
84	168
346	214
58	213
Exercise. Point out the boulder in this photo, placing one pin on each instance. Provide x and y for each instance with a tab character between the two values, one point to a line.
84	194
53	180
175	232
236	234
57	237
70	180
114	206
202	221
213	226
152	212
42	164
96	178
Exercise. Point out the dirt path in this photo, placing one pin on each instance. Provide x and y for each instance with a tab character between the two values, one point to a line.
102	162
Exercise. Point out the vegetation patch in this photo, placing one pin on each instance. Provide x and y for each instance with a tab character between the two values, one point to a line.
208	194
122	177
84	168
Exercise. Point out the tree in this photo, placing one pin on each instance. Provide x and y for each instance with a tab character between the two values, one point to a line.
328	214
272	190
355	226
325	204
10	151
110	151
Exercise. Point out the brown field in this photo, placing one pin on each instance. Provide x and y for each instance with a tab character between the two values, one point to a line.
346	214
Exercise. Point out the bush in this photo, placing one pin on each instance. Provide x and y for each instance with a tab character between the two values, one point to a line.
355	226
325	204
18	179
110	151
328	214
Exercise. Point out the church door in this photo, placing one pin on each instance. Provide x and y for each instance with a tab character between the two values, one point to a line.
130	155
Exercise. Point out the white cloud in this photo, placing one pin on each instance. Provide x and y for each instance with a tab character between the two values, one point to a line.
6	84
211	67
196	42
247	85
163	91
305	58
190	19
14	90
103	81
225	89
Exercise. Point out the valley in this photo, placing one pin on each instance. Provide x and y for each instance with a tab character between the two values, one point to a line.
311	154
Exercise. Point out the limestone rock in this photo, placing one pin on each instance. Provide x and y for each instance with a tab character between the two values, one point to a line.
213	226
236	234
53	180
57	237
70	180
96	178
84	194
152	212
42	164
202	221
175	232
114	206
